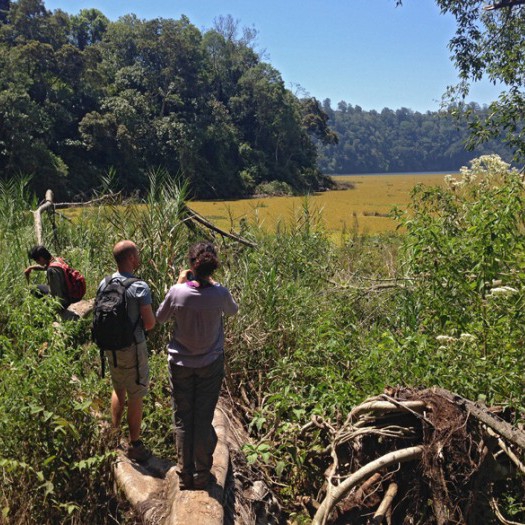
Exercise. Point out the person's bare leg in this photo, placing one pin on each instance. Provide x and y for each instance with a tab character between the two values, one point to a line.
118	401
134	418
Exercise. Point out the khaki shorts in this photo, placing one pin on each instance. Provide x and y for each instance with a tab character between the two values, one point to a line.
124	375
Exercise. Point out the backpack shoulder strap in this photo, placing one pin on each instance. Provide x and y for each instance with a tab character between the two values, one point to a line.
129	281
58	262
104	283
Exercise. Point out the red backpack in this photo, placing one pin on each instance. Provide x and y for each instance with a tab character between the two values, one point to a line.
75	281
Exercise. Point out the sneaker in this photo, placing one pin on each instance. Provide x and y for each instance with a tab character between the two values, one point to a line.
138	452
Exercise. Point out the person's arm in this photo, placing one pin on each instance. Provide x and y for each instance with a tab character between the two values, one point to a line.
29	269
163	313
147	316
230	306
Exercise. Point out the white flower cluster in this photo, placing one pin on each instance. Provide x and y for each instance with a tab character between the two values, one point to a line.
503	290
447	339
483	169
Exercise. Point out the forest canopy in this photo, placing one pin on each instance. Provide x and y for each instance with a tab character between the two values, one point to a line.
403	140
84	100
81	96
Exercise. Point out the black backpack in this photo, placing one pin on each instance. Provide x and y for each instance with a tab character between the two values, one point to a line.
112	328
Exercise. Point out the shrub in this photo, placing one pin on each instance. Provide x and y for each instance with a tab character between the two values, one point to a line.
275	188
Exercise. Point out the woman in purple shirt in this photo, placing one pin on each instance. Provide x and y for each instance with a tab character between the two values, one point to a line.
197	304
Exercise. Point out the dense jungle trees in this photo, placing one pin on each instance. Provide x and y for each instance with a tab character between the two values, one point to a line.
80	95
402	140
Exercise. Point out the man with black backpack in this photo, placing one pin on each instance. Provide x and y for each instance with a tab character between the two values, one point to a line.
121	316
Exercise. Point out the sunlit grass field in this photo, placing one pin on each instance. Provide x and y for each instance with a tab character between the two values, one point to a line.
364	208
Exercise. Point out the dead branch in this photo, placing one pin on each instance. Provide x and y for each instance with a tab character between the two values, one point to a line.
367	289
507	450
50	205
100	200
47	204
362	492
387	406
193	215
503	428
505	3
385	504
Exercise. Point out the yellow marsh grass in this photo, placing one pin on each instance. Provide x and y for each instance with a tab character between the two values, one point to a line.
364	207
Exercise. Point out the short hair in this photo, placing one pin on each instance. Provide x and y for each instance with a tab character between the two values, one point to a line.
122	250
38	251
203	259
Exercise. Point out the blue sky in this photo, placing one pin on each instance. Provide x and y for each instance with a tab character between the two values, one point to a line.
365	52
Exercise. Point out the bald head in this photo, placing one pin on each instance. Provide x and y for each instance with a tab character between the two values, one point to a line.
126	254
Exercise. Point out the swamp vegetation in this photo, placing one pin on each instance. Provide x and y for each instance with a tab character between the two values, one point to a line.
322	327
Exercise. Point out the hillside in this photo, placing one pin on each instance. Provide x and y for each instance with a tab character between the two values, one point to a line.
403	141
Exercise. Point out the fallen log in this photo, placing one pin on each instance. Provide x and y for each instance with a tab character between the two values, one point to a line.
153	490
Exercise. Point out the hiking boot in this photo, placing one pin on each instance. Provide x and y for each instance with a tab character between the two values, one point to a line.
201	480
185	481
138	452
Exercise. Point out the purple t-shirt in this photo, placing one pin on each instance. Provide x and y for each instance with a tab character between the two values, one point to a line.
197	339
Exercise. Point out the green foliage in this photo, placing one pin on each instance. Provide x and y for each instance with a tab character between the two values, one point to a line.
52	445
489	44
321	327
464	249
402	140
81	95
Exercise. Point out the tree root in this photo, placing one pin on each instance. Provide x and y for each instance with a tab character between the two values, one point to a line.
385	504
432	457
337	492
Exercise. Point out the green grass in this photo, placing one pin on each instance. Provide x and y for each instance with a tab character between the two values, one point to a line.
365	207
315	334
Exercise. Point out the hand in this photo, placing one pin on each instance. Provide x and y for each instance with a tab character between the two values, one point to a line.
29	269
183	276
